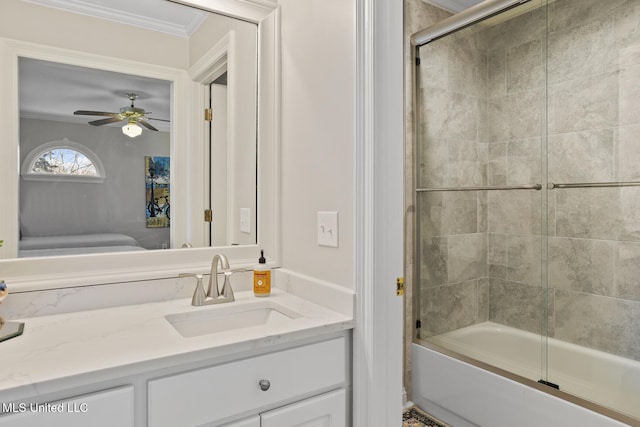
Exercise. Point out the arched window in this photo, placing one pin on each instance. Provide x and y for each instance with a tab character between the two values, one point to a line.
63	161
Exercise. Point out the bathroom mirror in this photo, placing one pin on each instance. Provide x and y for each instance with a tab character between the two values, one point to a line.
189	66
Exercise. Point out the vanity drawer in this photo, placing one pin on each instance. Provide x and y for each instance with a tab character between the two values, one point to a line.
221	391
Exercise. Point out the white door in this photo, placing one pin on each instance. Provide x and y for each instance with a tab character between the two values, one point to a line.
218	163
246	422
326	410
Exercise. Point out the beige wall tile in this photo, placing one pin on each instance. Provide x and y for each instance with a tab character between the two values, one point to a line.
628	106
447	308
581	157
598	213
450	115
524	162
628	153
515	212
582	265
581	50
525	67
515	304
467	257
627	271
584	103
524	263
515	116
434	262
603	323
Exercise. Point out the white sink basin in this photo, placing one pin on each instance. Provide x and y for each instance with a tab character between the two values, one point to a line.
230	316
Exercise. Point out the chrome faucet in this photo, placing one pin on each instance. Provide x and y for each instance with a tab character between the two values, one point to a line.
213	290
213	294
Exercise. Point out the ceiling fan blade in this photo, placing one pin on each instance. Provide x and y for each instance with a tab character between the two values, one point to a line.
105	121
160	120
94	113
147	125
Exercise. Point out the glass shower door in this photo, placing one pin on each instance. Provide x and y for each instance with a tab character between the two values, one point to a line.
594	200
527	176
481	192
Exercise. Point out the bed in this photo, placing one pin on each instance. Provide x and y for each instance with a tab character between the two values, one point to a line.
77	244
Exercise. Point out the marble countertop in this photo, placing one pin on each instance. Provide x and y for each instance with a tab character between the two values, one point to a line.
96	344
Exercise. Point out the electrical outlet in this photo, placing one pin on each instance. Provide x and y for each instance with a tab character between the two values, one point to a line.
245	220
328	229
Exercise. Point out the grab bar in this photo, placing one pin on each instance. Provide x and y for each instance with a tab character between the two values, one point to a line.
552	185
513	187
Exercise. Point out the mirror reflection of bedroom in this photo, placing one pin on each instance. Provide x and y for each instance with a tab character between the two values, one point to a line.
95	160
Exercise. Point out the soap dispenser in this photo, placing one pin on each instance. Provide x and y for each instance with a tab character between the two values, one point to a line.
262	278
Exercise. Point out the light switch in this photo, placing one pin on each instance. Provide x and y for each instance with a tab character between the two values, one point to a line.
245	220
328	229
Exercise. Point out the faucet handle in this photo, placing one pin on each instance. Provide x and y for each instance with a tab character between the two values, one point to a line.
227	290
198	295
181	275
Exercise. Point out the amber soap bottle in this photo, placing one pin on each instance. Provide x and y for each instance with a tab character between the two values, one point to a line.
262	278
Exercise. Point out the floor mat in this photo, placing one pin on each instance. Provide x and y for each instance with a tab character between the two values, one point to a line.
413	417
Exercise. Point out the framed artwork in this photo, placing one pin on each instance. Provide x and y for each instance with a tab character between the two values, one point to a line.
158	208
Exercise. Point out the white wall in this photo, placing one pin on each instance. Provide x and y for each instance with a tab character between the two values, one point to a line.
318	131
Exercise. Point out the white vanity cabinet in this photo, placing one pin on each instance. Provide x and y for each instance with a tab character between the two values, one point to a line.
103	409
255	386
326	410
136	370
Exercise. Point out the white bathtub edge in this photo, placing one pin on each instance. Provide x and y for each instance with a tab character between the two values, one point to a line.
467	396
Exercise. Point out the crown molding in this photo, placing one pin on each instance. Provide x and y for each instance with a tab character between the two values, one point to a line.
125	17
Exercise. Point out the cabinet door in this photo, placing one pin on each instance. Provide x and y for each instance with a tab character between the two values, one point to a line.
326	410
104	409
247	422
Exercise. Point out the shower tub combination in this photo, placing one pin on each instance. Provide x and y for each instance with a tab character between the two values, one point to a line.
592	375
526	180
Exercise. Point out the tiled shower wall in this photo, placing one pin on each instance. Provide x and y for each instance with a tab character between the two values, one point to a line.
594	118
562	84
453	131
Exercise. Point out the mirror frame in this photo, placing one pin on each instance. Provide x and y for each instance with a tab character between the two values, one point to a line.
30	274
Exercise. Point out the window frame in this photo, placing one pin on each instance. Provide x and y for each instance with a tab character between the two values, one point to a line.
27	165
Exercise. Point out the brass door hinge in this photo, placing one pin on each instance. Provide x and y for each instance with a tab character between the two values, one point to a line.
400	286
208	114
208	215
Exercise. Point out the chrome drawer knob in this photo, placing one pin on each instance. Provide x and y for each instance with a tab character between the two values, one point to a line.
264	385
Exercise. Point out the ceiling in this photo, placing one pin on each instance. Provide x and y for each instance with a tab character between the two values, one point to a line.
53	91
158	15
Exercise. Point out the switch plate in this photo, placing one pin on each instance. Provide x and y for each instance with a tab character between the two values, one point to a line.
328	229
245	220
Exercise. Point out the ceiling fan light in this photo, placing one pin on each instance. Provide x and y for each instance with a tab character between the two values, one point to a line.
131	129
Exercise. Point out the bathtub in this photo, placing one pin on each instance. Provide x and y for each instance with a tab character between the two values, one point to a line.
466	395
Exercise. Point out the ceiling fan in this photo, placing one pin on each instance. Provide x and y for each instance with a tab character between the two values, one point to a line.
134	117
